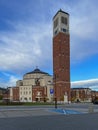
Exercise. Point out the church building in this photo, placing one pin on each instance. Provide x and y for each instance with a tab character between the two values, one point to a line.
39	86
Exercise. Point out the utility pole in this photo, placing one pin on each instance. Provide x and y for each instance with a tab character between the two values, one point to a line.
55	95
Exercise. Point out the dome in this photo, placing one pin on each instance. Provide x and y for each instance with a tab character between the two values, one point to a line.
37	71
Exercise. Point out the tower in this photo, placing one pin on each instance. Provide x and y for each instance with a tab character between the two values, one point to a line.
61	56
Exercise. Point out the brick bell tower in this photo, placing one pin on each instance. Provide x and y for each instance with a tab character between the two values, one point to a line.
61	56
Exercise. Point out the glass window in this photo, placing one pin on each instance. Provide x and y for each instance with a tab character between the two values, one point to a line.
56	32
64	30
55	23
63	20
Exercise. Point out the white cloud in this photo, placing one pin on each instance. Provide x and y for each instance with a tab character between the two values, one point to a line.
9	81
12	81
83	23
83	28
29	45
90	83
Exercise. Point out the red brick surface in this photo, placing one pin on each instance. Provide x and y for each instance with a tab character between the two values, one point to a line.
61	65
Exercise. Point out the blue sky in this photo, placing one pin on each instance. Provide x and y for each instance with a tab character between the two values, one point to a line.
26	39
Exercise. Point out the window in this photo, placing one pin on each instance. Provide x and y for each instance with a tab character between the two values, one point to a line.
56	32
62	68
62	53
64	30
55	23
63	20
25	98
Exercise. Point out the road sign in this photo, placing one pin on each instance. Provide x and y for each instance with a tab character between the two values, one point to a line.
51	91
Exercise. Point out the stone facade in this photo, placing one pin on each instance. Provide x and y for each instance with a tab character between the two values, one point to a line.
81	95
35	87
14	93
39	94
25	93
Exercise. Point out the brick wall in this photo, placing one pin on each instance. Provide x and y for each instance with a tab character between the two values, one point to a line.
61	65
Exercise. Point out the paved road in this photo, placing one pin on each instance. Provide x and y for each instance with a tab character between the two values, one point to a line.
22	111
51	122
41	118
25	113
72	105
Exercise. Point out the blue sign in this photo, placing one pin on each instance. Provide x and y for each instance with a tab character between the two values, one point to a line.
51	91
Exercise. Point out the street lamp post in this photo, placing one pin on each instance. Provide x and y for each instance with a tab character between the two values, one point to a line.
55	91
55	102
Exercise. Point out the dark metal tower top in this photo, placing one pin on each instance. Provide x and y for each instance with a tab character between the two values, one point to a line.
61	12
